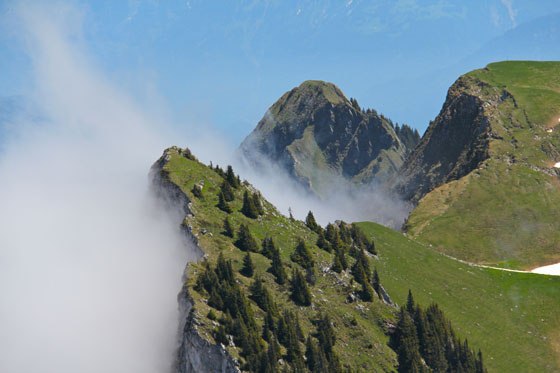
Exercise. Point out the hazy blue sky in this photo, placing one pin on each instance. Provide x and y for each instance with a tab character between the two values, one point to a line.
223	63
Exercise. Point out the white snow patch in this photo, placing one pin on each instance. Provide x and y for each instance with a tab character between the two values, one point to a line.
553	269
549	130
557	165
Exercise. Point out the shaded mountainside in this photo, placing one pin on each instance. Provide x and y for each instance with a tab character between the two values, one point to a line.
272	293
315	133
483	174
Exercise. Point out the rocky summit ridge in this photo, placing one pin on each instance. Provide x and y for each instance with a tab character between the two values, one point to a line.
316	133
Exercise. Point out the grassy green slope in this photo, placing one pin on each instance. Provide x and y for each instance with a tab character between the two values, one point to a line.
512	316
359	345
505	211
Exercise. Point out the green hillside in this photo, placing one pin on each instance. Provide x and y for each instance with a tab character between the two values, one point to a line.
500	206
360	326
512	316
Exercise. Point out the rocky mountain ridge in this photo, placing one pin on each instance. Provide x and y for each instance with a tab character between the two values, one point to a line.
315	133
484	175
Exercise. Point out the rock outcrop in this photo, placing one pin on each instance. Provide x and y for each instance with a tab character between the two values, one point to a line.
194	353
454	144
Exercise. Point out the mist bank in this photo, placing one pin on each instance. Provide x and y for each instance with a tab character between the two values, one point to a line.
341	200
90	264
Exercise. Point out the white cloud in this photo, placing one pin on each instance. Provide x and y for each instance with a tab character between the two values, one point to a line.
512	13
89	265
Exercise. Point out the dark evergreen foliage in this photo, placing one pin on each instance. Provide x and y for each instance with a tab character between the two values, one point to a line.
407	346
245	241
337	264
376	283
410	305
268	247
239	320
428	335
311	222
409	137
230	177
228	228
248	267
222	204
220	336
258	203
219	171
302	255
344	233
361	270
325	334
322	242
262	297
249	208
277	268
226	189
300	292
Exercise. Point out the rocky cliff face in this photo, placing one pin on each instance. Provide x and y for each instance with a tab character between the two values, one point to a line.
315	132
484	177
194	353
454	144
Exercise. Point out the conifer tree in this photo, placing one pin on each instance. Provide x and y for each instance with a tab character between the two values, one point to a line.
410	306
220	336
224	270
431	347
344	234
311	222
249	209
273	354
222	204
227	191
367	292
325	334
300	292
248	267
322	242
371	247
407	344
277	268
331	232
376	282
291	214
342	257
268	247
245	240
258	203
480	363
228	228
302	255
337	264
361	270
311	354
359	273
231	179
219	171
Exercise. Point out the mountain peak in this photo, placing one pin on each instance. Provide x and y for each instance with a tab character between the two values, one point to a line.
316	133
